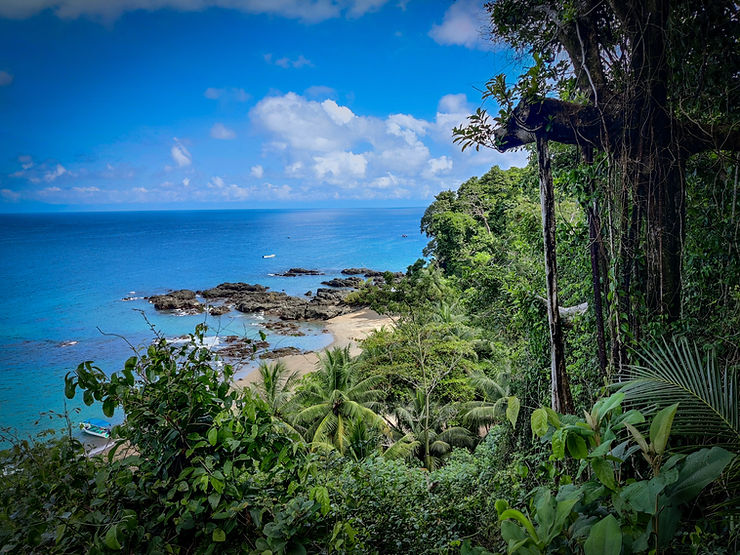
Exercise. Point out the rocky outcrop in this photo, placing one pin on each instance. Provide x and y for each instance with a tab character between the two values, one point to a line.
353	282
367	272
281	352
284	328
183	299
294	272
219	310
240	347
228	290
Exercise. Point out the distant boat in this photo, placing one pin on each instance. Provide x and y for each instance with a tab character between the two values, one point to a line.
268	256
96	427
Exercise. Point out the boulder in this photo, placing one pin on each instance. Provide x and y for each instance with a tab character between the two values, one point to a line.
183	299
294	272
367	272
229	290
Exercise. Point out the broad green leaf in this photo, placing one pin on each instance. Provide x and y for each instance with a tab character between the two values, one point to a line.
108	407
521	519
214	499
576	446
605	538
660	428
639	438
558	443
218	535
69	387
87	397
111	538
604	472
643	496
539	422
512	410
698	470
604	406
212	436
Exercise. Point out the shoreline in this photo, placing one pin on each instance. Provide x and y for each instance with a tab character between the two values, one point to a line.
346	330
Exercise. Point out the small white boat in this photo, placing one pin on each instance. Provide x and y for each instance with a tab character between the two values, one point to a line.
97	428
268	256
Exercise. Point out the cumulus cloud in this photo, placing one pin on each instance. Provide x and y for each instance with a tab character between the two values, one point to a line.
180	154
86	190
308	11
325	144
257	171
10	195
58	171
220	131
285	62
5	78
439	165
463	25
337	166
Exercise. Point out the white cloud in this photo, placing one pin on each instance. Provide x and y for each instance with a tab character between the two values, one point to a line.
58	171
309	11
336	166
257	171
285	62
10	195
341	115
463	25
5	78
186	181
220	131
439	165
227	94
180	154
86	190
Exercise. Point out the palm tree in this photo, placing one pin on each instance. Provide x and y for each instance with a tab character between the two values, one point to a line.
422	429
335	400
275	387
496	399
708	394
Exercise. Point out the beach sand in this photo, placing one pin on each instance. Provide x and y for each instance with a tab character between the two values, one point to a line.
347	329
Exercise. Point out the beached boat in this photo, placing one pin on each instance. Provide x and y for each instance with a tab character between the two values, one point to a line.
268	256
96	427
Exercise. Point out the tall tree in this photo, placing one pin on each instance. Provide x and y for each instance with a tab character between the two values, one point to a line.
648	83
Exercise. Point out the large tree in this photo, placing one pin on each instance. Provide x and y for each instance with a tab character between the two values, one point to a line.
644	84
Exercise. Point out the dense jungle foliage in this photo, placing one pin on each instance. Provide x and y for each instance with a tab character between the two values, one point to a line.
440	437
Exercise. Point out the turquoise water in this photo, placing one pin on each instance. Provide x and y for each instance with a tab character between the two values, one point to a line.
65	276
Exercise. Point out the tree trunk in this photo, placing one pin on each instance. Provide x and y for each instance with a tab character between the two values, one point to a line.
594	235
562	400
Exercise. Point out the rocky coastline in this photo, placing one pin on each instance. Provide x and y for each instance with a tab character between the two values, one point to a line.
327	302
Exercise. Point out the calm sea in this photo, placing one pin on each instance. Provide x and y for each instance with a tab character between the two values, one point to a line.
65	276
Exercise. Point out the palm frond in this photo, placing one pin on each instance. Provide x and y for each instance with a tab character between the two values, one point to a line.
707	395
403	449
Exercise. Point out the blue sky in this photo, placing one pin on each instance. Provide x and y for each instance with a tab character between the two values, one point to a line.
156	104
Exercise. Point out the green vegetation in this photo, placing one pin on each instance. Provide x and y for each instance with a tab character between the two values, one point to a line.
601	280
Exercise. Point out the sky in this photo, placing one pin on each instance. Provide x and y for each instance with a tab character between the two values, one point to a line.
212	104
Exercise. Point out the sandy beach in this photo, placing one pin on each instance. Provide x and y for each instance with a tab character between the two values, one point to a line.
346	330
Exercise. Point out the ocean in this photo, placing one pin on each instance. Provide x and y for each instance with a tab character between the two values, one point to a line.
65	276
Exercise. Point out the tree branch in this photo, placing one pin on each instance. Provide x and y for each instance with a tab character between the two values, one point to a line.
556	120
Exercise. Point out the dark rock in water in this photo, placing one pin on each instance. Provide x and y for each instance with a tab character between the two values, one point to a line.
229	290
353	282
281	352
183	299
241	347
309	294
294	272
218	310
284	328
367	272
